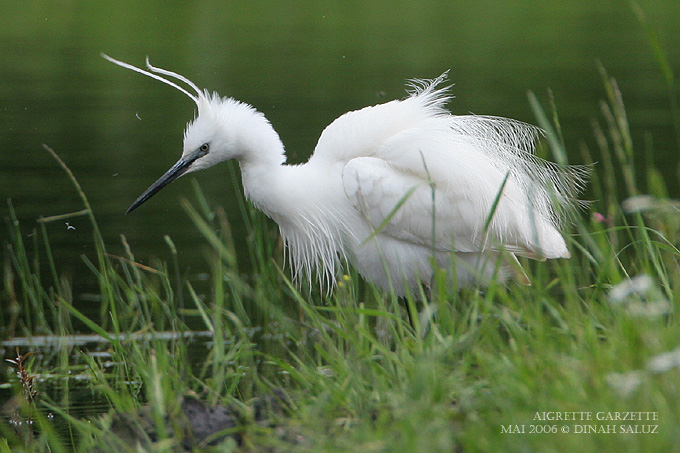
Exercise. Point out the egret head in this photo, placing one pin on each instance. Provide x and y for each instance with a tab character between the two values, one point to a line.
219	129
207	139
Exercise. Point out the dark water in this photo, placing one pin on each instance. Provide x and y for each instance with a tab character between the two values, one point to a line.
302	64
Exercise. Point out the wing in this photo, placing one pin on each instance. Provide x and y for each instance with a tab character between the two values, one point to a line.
462	183
362	133
404	205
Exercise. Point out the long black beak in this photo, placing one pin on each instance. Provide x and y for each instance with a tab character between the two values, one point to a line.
175	172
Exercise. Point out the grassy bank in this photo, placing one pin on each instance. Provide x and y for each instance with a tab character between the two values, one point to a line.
494	369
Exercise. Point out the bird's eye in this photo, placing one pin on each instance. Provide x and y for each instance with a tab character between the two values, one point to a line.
204	148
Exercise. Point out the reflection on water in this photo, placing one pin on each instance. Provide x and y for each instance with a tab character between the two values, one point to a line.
50	341
82	389
302	65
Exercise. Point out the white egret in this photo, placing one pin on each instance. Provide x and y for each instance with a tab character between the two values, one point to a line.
395	189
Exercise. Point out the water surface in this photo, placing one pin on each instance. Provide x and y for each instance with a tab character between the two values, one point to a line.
302	64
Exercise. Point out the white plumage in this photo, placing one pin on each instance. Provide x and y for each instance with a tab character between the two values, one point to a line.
395	189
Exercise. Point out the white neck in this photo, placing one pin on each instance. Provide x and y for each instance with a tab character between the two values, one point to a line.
260	145
261	158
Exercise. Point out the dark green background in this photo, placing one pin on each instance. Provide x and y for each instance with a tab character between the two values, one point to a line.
302	64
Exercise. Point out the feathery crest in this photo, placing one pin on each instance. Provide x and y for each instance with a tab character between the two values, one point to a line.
426	90
154	75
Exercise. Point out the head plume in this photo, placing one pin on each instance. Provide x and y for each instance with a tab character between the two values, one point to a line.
154	72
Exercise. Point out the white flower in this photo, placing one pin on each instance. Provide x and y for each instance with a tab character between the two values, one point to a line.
665	361
638	285
640	296
625	383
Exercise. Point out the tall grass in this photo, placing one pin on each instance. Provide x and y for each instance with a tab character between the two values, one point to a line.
365	371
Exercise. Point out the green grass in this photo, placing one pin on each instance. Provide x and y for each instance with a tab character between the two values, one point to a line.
358	375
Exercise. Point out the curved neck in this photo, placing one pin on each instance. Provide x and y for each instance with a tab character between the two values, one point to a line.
260	145
261	159
262	186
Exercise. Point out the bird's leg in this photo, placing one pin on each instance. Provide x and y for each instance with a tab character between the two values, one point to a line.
420	311
428	311
410	317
